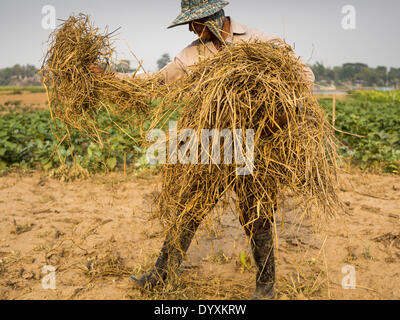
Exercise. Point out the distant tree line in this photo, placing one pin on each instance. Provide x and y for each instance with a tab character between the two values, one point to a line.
349	74
19	74
353	74
163	61
124	66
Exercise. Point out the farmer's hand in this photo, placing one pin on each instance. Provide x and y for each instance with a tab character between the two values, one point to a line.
95	68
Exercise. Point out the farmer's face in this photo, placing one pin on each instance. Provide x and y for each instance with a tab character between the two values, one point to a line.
199	28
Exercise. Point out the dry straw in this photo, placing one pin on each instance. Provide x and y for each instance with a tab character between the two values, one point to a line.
77	95
259	86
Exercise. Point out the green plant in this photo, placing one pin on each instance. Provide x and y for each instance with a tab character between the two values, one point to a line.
31	140
377	126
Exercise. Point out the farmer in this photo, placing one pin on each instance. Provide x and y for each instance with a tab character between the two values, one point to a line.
206	18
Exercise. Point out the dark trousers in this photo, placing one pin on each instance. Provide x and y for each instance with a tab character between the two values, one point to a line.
258	227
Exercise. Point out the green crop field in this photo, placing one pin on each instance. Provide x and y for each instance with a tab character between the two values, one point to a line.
374	116
377	96
5	90
29	139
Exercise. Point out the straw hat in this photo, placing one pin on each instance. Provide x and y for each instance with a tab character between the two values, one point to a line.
199	9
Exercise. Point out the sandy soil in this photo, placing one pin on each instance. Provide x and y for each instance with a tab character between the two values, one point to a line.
33	100
39	100
98	231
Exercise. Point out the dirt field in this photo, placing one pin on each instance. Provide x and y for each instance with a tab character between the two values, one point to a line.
33	100
338	96
39	100
98	231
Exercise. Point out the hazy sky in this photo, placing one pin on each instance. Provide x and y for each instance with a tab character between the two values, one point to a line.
314	26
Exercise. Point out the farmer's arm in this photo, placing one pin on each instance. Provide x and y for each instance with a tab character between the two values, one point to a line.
171	72
175	69
95	68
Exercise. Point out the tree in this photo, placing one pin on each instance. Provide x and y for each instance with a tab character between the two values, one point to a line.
337	71
319	71
368	76
124	66
382	75
394	76
163	61
8	75
356	73
351	71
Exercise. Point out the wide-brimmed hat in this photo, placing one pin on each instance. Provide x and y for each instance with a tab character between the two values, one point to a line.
197	9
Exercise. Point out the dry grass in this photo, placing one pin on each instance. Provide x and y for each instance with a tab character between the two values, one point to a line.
77	95
189	286
65	173
108	265
19	229
259	86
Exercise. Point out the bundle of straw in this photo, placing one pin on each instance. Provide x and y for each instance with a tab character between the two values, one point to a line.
76	94
259	86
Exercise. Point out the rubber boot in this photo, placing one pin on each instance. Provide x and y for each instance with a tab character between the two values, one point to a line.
263	253
170	258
